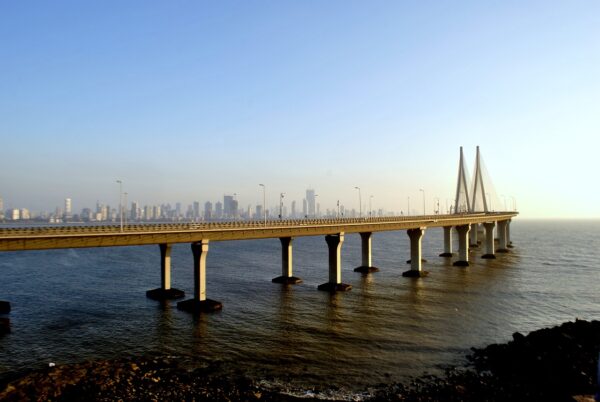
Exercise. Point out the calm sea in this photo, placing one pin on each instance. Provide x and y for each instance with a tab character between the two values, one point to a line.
78	304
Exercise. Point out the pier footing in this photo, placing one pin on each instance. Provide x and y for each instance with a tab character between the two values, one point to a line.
4	307
199	306
334	287
446	255
165	294
461	263
502	250
412	273
489	256
287	280
363	269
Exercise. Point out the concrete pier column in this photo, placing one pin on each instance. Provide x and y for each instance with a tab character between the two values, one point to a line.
489	240
286	263
447	242
199	303
463	246
415	271
165	292
4	307
502	240
334	243
508	241
366	266
473	239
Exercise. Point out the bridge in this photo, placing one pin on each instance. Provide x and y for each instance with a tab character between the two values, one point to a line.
465	220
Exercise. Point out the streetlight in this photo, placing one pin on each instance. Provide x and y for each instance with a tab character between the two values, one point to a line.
121	202
423	200
125	204
437	211
359	203
281	205
370	208
338	206
264	202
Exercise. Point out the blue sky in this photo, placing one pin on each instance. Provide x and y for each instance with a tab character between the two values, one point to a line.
190	100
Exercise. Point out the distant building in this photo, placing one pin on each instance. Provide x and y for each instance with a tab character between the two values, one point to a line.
14	214
135	211
218	210
228	206
208	210
310	200
304	208
68	211
196	205
293	213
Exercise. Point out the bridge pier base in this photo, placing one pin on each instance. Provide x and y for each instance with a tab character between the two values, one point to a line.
463	246
165	292
334	243
199	303
286	263
415	271
502	236
508	242
489	240
366	266
447	242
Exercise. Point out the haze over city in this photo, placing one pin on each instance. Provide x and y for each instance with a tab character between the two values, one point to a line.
190	101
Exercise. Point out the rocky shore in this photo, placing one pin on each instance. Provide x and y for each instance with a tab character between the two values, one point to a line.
553	364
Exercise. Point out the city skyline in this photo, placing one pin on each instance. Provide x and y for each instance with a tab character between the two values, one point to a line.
192	101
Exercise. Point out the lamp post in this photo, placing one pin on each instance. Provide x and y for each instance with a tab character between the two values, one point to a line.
437	210
370	207
281	205
338	209
264	202
121	201
359	203
125	206
423	191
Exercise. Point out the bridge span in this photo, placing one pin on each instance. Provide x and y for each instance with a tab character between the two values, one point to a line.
199	235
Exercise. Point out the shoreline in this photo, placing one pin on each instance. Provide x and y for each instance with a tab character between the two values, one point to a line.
548	364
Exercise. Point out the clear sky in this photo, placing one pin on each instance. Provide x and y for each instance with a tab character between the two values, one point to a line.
189	100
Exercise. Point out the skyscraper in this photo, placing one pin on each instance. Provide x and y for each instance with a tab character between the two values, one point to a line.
228	206
208	210
310	200
68	214
293	214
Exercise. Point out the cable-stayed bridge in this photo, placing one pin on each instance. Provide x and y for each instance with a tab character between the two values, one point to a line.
470	210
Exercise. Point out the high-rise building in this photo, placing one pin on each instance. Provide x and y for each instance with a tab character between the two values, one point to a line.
228	206
135	211
196	210
304	206
208	210
310	200
218	210
293	214
68	212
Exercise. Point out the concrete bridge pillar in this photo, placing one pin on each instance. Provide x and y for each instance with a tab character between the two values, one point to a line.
334	243
502	238
447	242
199	303
165	292
463	246
474	240
489	240
366	266
508	241
4	307
286	263
415	271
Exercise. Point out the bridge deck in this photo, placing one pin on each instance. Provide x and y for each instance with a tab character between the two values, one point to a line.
47	237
